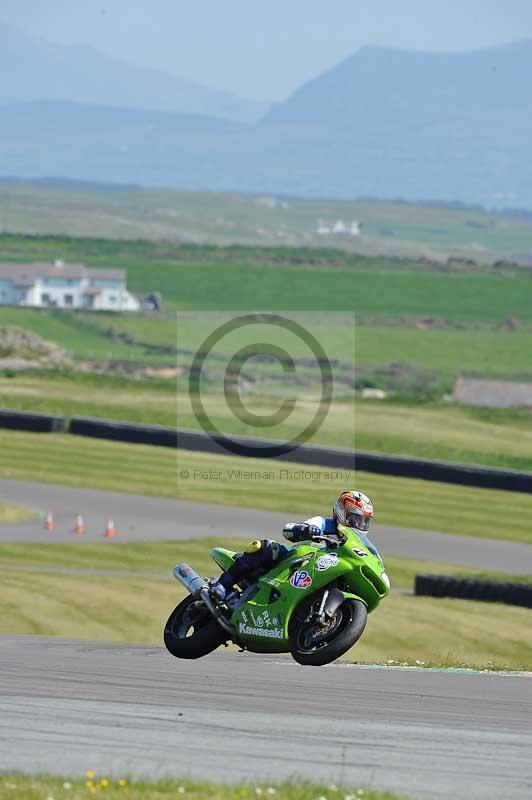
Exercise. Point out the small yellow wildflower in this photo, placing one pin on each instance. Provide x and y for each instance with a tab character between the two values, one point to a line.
89	774
122	782
104	782
89	784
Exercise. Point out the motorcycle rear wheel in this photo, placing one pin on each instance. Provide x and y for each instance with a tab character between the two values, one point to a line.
184	639
347	628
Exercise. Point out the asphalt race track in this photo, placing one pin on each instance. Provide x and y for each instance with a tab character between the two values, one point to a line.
138	517
69	706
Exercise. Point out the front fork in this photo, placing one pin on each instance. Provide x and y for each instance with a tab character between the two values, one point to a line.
330	602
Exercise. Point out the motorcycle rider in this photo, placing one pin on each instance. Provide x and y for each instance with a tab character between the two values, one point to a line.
352	509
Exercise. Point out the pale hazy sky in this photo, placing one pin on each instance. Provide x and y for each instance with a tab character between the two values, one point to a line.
264	50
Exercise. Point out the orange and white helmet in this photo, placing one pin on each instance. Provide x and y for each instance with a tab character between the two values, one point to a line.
353	509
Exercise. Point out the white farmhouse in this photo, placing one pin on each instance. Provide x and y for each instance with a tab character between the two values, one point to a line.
60	285
339	226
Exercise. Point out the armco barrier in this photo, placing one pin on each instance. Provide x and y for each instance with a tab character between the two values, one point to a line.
515	594
24	421
124	431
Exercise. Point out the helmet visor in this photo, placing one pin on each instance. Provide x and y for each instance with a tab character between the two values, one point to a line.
358	521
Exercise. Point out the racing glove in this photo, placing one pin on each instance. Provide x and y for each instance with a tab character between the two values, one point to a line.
301	532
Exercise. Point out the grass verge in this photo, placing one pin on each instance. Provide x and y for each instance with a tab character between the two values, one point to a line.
404	629
10	513
14	786
269	485
156	559
446	633
91	463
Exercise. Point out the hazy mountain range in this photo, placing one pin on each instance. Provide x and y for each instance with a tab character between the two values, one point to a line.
33	69
383	123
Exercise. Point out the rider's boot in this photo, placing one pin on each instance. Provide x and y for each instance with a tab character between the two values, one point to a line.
216	590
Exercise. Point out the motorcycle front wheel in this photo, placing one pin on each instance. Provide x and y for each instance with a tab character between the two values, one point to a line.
315	645
191	632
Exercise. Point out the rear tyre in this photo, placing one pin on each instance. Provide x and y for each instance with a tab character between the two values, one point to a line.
315	646
189	633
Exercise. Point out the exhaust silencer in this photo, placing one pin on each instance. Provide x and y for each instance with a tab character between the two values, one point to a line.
190	579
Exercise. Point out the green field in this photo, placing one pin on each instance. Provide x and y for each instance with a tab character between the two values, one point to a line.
14	786
386	292
91	463
387	228
219	279
481	351
78	336
444	352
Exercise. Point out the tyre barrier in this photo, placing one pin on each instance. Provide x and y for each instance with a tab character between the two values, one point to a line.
124	432
25	421
514	594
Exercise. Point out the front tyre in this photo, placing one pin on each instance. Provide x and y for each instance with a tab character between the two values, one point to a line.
315	645
191	632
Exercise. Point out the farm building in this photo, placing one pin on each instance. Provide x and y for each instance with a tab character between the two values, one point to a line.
60	285
492	394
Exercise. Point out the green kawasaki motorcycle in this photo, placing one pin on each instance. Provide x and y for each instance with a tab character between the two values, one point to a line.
314	604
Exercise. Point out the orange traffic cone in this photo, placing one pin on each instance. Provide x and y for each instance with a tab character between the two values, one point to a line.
49	521
110	530
80	525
